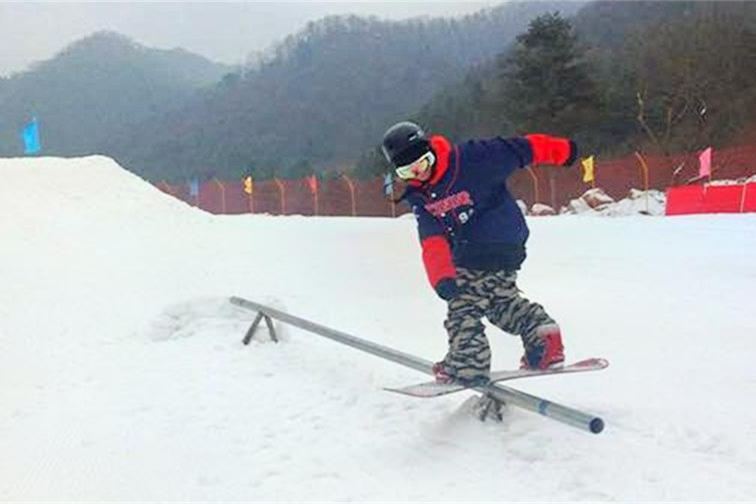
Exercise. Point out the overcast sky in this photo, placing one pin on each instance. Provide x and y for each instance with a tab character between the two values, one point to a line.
225	32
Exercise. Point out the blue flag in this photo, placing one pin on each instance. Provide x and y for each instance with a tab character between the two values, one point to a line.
31	138
194	188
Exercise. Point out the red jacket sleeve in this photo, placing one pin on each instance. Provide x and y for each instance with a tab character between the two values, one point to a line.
437	259
552	150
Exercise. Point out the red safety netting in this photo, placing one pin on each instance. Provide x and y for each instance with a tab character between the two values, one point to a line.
685	200
554	186
735	198
749	198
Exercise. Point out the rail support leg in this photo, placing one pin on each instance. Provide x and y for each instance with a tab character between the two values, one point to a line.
489	407
253	328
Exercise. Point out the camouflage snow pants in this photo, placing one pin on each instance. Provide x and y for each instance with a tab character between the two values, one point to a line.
494	295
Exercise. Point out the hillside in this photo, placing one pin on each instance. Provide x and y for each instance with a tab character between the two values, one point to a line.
324	95
687	66
320	100
97	89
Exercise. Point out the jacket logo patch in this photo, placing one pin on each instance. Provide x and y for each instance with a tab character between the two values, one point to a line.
440	207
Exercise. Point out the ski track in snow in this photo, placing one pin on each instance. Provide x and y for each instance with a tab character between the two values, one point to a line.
123	375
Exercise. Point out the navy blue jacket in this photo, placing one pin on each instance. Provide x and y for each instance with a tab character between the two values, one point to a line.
466	215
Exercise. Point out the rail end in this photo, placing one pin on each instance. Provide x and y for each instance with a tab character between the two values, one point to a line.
596	425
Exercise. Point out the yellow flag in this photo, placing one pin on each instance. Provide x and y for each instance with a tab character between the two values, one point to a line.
588	169
248	186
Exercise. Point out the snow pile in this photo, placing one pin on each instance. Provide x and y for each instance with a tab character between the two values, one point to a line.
123	376
86	186
592	200
597	202
540	210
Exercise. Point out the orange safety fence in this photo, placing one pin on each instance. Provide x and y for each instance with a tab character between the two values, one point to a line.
553	186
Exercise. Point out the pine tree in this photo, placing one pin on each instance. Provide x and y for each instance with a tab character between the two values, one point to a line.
545	83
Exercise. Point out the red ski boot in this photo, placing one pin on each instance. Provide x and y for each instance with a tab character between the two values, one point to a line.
546	351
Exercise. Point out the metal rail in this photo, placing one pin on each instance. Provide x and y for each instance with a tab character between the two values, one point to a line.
500	393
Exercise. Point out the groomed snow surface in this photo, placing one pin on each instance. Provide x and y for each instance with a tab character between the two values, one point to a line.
123	376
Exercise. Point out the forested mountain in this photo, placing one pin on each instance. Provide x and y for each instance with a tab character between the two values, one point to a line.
617	76
655	76
323	96
97	89
606	24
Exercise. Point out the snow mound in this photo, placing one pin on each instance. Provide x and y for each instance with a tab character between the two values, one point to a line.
597	202
94	185
121	361
540	209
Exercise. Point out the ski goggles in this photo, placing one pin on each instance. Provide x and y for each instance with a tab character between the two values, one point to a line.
417	167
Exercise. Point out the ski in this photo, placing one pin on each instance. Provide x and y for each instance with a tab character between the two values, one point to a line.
433	389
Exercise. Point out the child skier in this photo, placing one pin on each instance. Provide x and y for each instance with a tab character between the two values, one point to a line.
473	238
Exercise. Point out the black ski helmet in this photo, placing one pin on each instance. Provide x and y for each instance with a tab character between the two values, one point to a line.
404	143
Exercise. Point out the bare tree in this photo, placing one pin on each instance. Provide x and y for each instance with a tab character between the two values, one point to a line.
693	82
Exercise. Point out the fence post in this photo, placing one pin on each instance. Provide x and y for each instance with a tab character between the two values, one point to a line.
536	196
223	195
743	197
350	184
282	191
644	173
552	183
312	181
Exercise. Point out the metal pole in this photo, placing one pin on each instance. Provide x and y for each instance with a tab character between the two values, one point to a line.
501	393
347	339
252	329
546	408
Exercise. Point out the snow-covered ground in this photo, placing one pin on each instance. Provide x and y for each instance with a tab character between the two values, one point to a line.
123	376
